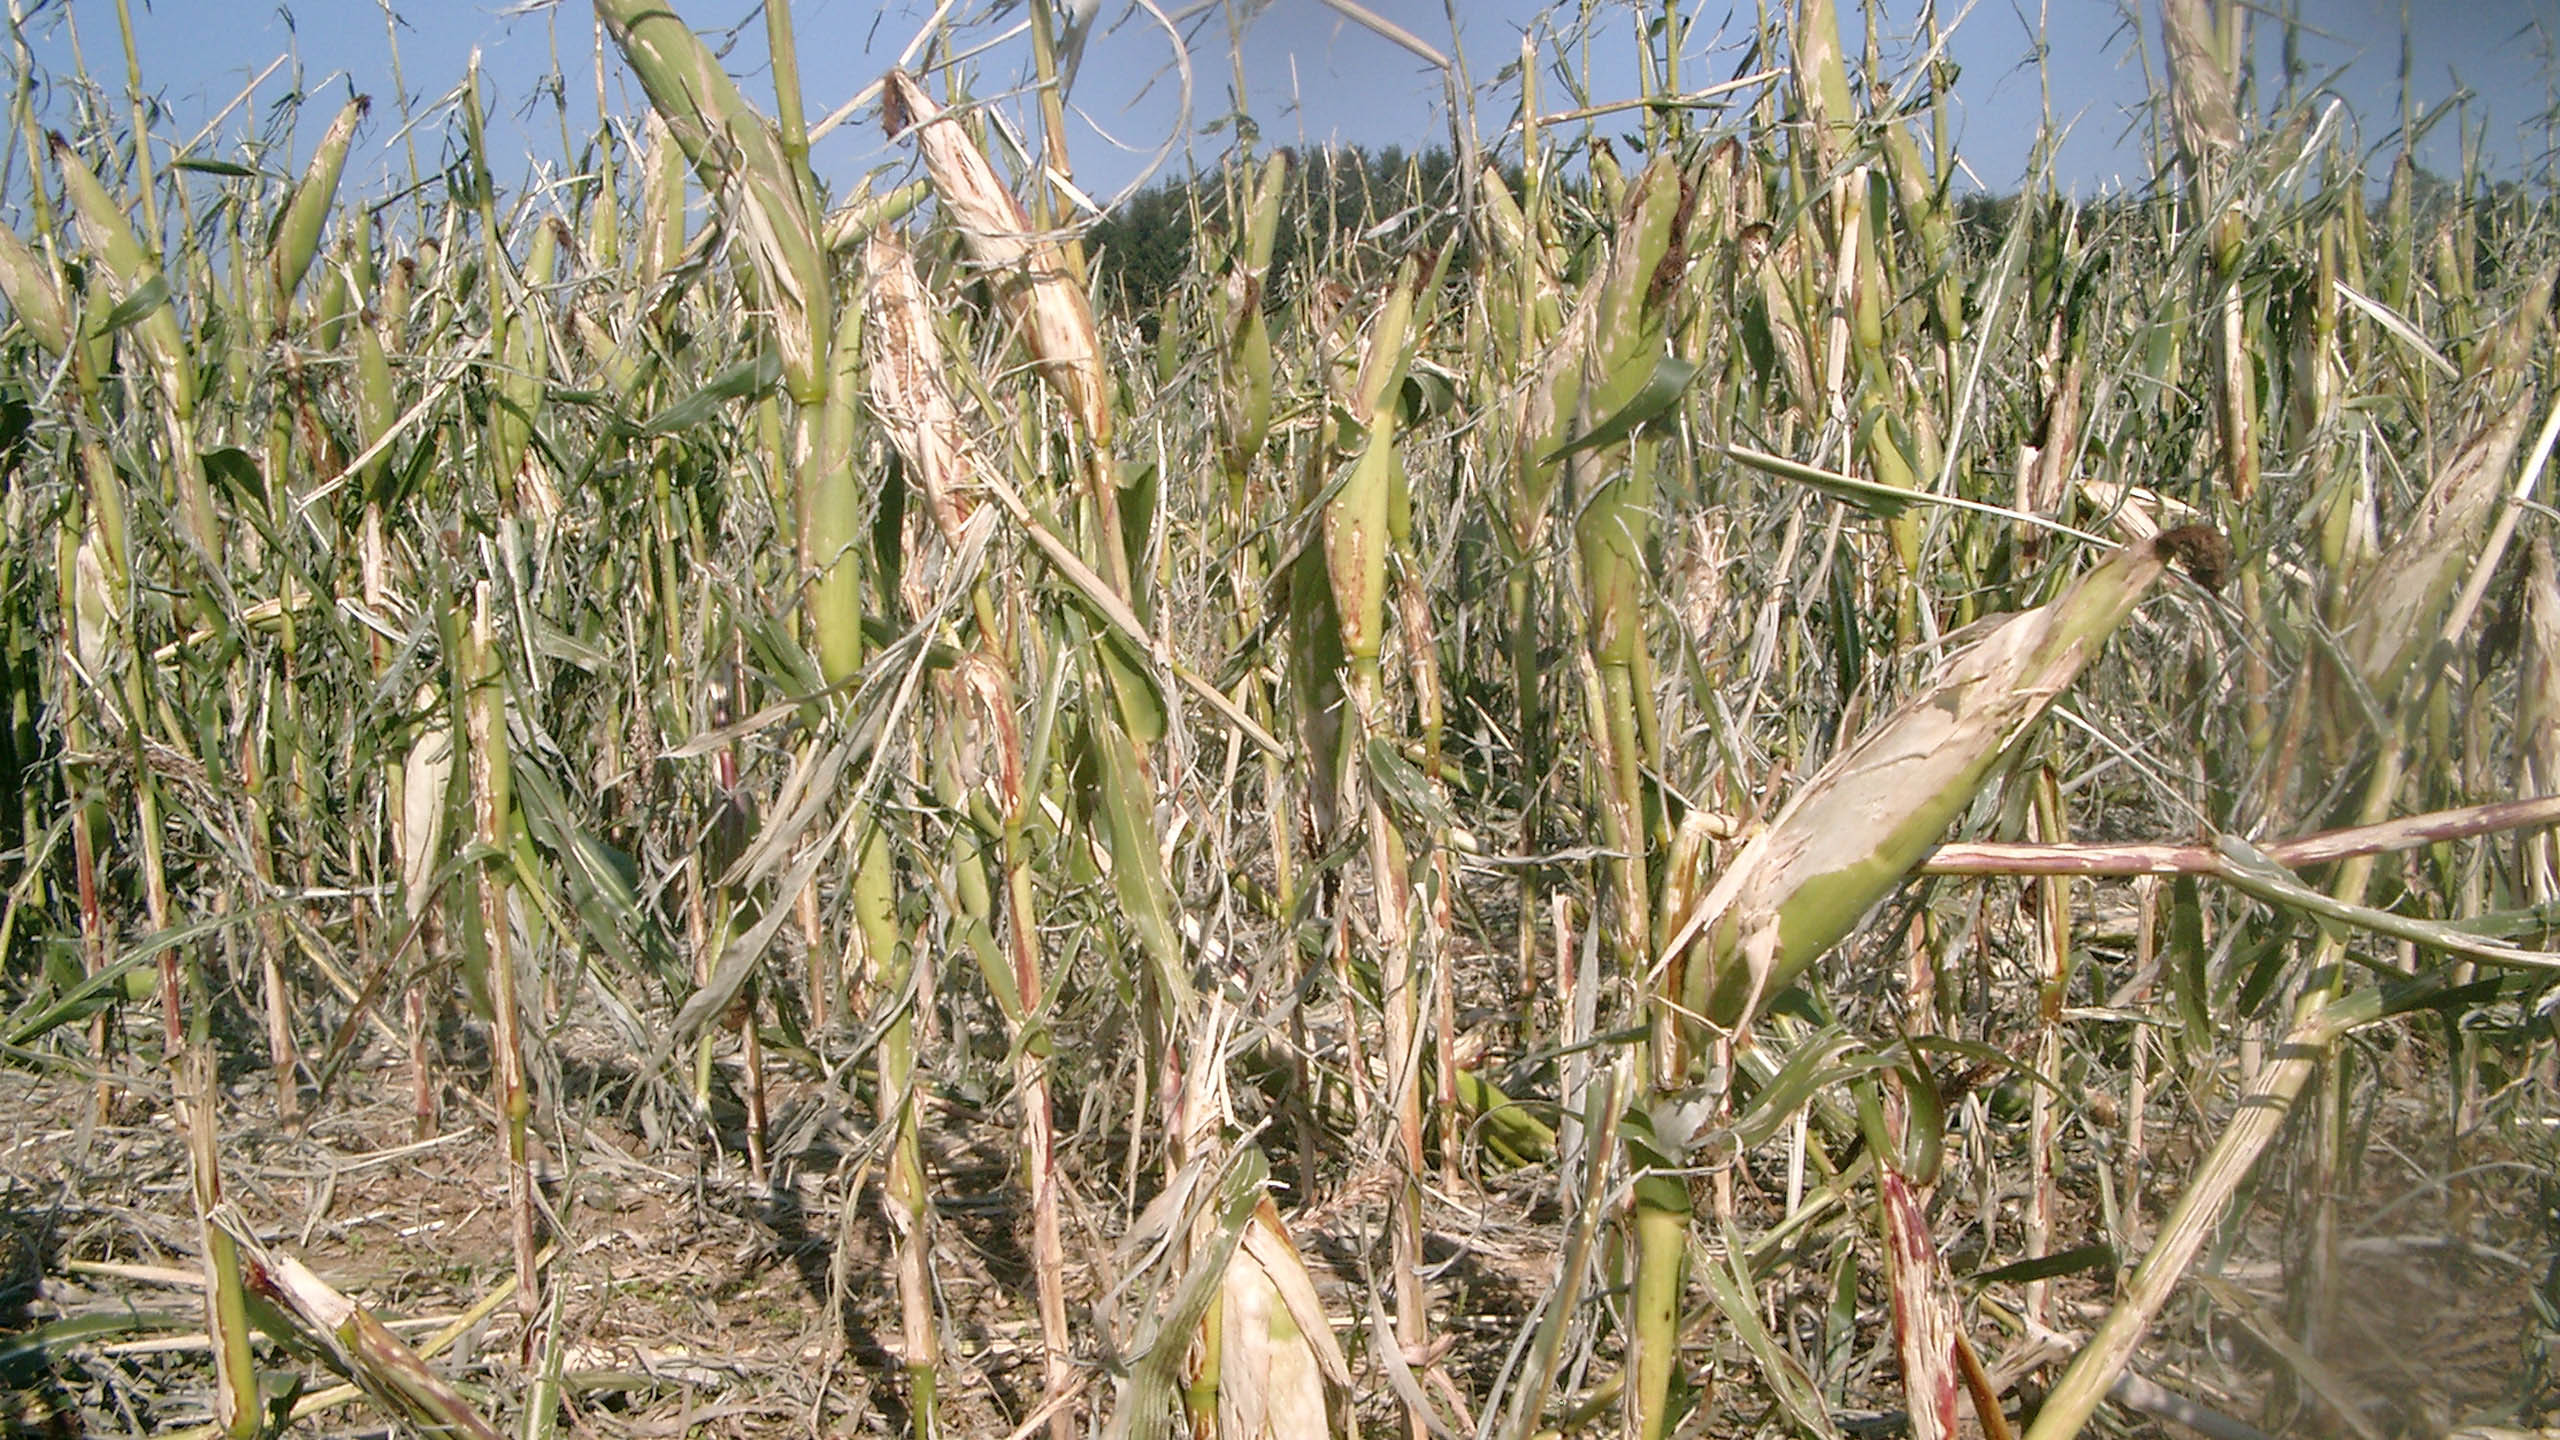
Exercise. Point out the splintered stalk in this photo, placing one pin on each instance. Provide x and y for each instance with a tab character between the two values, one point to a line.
1036	283
1034	1047
312	1315
908	393
764	197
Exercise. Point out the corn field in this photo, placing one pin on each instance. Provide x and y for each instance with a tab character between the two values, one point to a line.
1691	787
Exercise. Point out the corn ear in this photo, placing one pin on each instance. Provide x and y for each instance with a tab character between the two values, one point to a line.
426	774
1246	362
377	401
662	197
908	391
1355	519
854	222
1822	83
1931	224
2393	613
524	360
133	278
131	274
1845	840
1282	1376
1612	347
28	280
2200	103
297	233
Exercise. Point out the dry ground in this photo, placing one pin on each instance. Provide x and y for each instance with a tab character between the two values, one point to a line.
696	1301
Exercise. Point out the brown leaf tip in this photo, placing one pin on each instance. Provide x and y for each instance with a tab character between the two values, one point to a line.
895	114
2201	551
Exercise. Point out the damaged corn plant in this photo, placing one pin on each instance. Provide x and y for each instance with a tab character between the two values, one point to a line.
1669	776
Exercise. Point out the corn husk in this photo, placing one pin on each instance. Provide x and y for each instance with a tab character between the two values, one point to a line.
2391	617
1281	1374
28	280
1845	840
297	233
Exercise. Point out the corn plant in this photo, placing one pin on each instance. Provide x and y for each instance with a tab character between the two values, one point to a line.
1677	721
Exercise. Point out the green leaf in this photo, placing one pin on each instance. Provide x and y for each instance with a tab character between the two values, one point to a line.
1406	791
1885	502
2189	988
1730	1283
147	297
236	470
1653	400
36	1019
2098	1255
748	379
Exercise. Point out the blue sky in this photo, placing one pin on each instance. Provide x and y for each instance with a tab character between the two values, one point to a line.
1310	73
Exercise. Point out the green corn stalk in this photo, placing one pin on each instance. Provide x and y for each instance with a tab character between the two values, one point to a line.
1524	311
758	173
1633	313
891	962
1353	540
1247	371
483	681
125	274
830	504
1037	285
830	523
763	196
908	394
1033	1043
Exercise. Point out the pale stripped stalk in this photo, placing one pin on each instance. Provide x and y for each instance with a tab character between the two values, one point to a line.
492	790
